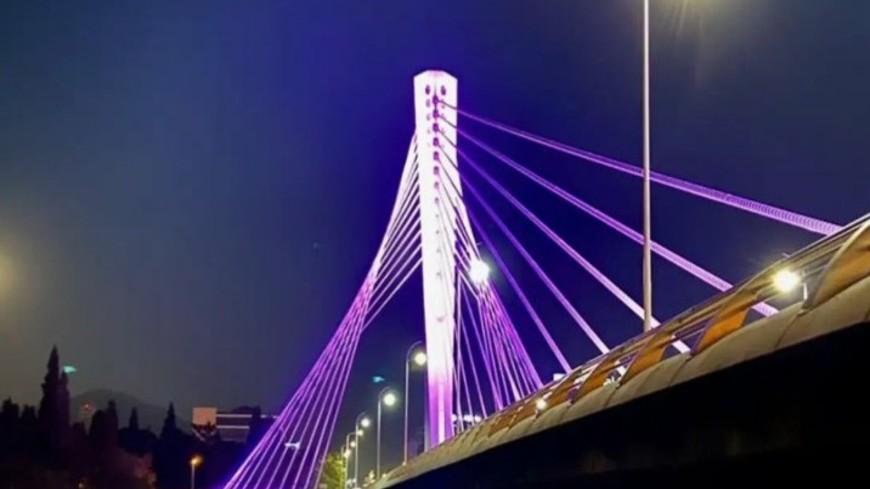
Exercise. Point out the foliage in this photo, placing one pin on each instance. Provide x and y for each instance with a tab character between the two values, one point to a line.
40	449
333	471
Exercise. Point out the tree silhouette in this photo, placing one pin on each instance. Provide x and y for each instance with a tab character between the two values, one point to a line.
169	423
172	453
112	424
9	429
134	439
133	424
40	450
54	408
99	432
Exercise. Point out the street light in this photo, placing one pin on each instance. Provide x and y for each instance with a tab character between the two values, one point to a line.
647	228
478	271
390	399
195	462
417	355
420	358
348	446
787	280
362	421
386	398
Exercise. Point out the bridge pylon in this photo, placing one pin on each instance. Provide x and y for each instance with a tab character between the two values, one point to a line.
441	216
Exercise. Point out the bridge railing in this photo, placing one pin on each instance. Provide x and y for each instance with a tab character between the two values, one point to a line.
827	267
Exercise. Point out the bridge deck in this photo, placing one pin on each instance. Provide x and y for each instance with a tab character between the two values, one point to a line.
760	399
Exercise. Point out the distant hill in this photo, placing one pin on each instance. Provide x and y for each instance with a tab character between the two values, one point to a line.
150	416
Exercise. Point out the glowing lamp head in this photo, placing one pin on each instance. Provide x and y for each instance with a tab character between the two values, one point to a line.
420	358
360	432
365	422
390	399
541	404
347	453
196	461
786	280
353	443
478	272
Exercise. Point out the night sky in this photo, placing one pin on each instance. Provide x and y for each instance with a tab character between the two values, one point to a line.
190	192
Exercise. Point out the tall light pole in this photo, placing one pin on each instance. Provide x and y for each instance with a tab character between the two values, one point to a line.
418	357
348	446
647	227
385	398
361	423
195	462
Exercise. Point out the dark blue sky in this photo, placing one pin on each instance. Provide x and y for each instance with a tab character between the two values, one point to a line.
190	192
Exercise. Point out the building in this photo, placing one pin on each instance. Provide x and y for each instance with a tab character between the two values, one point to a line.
231	425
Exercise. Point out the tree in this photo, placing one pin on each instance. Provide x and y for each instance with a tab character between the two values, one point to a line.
332	471
172	453
112	423
9	428
135	440
54	406
170	427
129	437
133	424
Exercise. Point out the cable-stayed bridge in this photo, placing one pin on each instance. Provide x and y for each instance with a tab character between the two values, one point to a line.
477	362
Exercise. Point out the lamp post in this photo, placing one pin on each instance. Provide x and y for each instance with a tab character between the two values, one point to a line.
348	446
195	462
418	357
647	227
385	398
362	422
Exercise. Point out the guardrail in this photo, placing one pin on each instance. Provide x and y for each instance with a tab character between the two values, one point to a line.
827	267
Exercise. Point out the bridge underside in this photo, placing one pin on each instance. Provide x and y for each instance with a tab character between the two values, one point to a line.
798	415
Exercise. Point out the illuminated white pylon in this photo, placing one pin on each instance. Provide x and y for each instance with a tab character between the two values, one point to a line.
429	229
441	216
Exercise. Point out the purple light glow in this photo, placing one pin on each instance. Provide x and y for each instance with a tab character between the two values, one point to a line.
310	424
811	224
579	259
477	332
509	385
660	250
593	336
466	341
505	271
477	271
515	358
523	359
335	404
309	416
261	459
